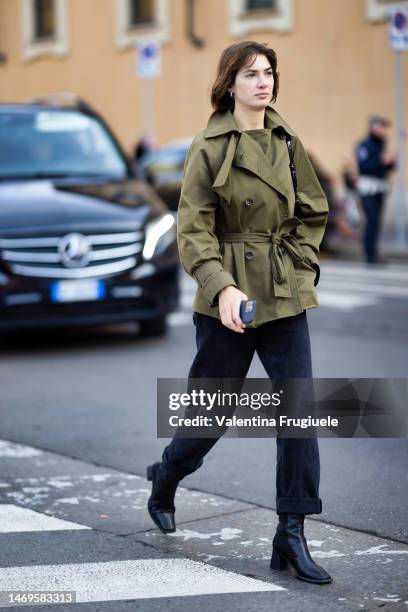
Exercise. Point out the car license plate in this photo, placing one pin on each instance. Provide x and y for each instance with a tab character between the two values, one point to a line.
77	290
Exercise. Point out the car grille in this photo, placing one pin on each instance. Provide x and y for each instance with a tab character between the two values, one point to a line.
47	257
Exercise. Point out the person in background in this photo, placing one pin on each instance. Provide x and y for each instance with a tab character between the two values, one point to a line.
375	162
327	183
143	148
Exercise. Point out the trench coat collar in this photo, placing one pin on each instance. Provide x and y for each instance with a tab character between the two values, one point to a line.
242	151
223	122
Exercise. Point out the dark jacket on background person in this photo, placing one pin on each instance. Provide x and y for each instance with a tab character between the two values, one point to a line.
238	223
368	153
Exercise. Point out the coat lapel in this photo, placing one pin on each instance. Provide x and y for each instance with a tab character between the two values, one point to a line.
274	172
222	182
243	152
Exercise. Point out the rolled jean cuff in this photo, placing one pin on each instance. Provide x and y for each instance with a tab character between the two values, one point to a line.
298	505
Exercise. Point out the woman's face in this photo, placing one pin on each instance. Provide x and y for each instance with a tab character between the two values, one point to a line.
254	84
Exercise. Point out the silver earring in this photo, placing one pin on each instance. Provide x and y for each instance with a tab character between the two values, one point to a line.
231	93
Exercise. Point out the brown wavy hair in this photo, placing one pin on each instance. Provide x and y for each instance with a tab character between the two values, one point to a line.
232	59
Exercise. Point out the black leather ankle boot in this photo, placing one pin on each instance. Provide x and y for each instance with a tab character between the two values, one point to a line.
161	501
290	546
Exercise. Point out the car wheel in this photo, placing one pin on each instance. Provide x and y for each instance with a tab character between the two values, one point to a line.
153	327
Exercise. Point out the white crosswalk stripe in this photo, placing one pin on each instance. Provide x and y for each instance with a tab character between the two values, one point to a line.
346	301
394	272
15	519
134	579
180	318
340	286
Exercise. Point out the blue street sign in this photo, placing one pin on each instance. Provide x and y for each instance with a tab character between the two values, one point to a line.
148	63
398	29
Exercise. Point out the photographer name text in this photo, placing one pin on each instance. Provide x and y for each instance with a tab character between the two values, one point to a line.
254	421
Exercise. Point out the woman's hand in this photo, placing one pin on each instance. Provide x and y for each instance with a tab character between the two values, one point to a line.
229	300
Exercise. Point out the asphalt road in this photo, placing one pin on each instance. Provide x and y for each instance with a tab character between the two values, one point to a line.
83	404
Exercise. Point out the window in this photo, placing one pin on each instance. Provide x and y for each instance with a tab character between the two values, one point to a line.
260	4
377	10
255	15
44	19
140	12
45	28
141	19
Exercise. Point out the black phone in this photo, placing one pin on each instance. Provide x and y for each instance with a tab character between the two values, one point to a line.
247	310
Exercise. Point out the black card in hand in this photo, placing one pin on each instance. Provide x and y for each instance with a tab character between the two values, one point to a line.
247	310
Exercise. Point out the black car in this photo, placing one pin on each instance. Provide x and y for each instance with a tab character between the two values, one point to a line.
164	170
82	241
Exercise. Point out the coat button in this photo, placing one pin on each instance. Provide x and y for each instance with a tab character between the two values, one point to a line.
249	202
249	255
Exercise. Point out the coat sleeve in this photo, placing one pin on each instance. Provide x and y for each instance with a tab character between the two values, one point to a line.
312	207
197	242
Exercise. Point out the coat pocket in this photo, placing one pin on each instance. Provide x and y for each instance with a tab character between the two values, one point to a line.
305	278
309	264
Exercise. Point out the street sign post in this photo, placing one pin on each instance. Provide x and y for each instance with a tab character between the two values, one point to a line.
398	29
148	59
148	68
398	40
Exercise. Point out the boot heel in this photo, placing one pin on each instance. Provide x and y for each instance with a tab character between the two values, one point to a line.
277	561
149	472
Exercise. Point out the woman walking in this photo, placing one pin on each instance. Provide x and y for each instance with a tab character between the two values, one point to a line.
243	234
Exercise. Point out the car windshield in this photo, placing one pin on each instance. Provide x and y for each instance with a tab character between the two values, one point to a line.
41	143
167	156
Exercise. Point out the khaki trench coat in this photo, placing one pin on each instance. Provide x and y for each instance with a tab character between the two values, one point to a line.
238	223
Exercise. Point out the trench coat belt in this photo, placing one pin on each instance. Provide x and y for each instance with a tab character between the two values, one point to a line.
281	240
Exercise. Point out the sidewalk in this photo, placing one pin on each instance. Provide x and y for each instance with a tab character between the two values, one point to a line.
104	519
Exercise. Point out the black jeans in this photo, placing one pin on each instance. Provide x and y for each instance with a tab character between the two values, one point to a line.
283	347
372	205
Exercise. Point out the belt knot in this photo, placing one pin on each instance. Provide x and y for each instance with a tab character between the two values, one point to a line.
283	242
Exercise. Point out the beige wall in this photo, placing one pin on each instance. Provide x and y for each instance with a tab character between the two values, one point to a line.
336	68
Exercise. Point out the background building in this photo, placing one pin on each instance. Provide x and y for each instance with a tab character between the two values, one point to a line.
335	63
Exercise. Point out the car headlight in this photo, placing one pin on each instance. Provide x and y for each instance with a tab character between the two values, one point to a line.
159	234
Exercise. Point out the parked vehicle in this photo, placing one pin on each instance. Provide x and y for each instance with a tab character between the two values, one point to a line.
164	170
82	241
